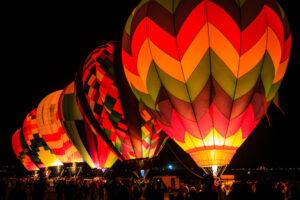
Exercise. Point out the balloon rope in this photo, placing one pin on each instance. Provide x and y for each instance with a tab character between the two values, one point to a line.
182	163
106	172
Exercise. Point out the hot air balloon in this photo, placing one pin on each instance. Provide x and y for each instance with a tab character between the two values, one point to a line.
91	146
50	127
36	143
22	153
207	70
113	111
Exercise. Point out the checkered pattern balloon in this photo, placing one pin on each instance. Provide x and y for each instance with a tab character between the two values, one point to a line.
134	140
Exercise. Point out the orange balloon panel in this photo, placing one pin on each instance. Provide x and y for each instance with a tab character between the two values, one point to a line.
21	153
36	143
52	131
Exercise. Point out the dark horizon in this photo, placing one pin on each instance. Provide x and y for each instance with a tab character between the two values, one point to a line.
44	45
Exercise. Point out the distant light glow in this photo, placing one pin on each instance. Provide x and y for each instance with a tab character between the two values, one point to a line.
171	167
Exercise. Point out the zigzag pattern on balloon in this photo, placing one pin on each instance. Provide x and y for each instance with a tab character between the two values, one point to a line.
204	66
153	41
201	116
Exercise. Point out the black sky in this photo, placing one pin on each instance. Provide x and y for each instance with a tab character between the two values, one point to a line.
44	44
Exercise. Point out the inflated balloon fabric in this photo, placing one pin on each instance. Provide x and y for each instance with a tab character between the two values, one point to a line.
132	135
52	131
93	149
206	69
21	153
36	143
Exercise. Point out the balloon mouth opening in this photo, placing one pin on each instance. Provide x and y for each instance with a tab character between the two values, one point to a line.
214	170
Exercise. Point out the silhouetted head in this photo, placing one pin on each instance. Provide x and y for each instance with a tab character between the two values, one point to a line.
294	191
208	182
236	187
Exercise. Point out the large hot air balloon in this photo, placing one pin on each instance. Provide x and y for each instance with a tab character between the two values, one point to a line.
50	127
36	143
22	153
113	111
207	69
91	146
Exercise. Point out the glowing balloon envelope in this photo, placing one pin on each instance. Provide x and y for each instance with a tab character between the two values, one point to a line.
93	149
207	69
36	143
22	153
113	111
51	129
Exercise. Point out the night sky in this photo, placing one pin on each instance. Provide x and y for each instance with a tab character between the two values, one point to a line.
44	44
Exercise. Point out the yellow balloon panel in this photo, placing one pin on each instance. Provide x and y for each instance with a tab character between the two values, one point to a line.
213	157
213	149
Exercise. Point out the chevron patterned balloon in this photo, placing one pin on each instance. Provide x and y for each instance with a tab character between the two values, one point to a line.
207	69
132	134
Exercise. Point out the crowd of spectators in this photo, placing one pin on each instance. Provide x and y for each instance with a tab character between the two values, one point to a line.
241	190
155	189
80	189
